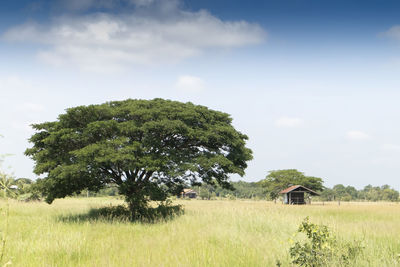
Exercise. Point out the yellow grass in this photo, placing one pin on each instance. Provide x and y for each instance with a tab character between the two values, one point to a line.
210	233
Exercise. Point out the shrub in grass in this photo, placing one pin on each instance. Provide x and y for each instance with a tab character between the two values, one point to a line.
321	248
119	212
28	197
149	215
163	212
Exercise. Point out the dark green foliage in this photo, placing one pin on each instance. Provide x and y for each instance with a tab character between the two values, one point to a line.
163	212
30	196
369	193
148	148
281	179
322	248
327	195
376	193
111	213
251	190
33	192
205	191
344	193
240	189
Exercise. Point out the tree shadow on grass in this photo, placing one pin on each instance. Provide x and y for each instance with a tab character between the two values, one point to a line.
120	213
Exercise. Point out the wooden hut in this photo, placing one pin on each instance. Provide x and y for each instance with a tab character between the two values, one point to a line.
189	193
295	194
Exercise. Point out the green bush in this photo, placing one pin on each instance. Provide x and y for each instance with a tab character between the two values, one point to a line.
321	248
230	197
119	212
163	212
28	197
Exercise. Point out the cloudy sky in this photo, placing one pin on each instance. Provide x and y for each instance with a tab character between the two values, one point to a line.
314	84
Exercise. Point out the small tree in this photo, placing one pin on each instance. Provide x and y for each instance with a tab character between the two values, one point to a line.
281	179
322	248
148	148
204	193
6	180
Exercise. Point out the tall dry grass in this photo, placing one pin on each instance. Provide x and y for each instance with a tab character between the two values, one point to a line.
210	233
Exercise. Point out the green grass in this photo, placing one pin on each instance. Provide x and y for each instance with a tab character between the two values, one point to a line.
210	233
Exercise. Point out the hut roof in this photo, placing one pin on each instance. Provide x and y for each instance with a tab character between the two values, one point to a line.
295	187
188	190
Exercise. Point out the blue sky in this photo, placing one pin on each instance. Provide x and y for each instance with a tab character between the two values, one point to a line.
314	84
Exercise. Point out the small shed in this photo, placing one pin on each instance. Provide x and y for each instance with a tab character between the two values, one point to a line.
189	193
295	194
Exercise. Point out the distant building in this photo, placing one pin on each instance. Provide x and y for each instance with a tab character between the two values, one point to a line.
189	193
295	194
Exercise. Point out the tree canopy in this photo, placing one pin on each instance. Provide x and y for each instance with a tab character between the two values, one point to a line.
280	179
148	148
369	193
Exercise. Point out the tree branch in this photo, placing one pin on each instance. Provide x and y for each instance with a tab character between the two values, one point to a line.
148	175
114	175
141	175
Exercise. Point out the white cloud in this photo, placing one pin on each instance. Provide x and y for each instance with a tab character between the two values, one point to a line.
288	122
190	83
161	32
393	32
357	135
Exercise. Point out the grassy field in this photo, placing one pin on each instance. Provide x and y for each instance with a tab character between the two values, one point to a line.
211	233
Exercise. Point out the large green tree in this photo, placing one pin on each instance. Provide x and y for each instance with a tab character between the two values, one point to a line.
148	148
280	179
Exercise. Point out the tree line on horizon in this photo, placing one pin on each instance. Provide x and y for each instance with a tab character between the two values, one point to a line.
339	192
26	190
265	189
278	180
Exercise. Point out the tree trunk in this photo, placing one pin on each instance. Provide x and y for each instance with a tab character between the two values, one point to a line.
137	204
135	197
